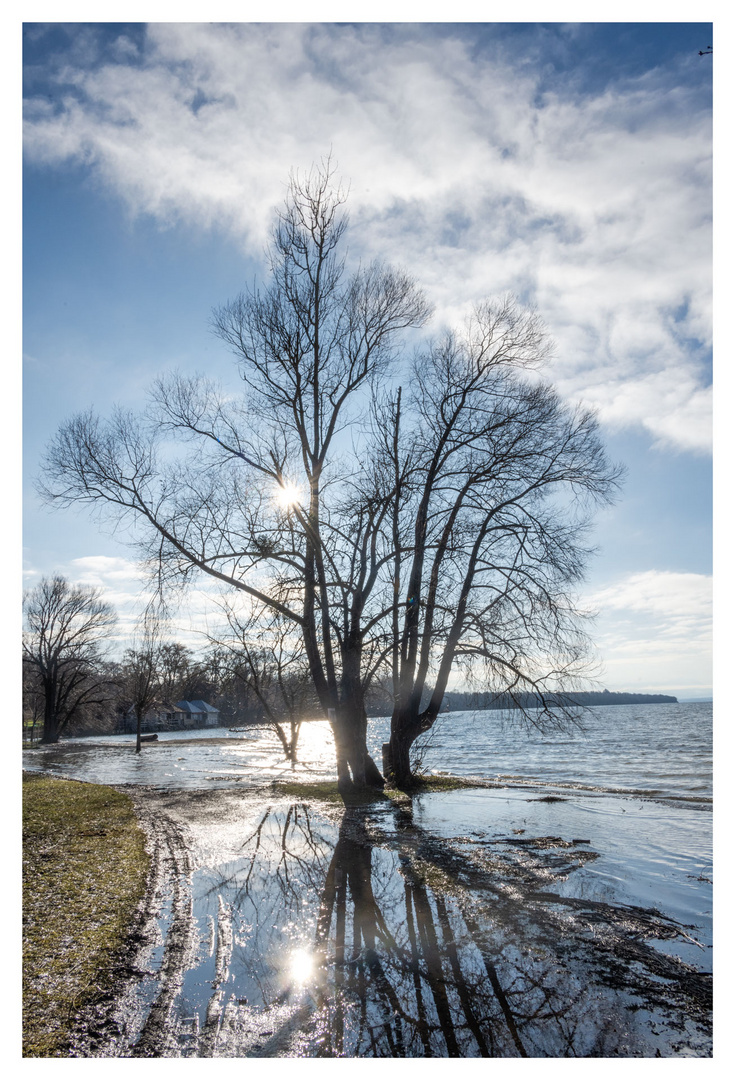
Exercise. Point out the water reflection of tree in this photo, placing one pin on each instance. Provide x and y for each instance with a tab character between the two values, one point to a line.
400	971
282	869
404	963
418	950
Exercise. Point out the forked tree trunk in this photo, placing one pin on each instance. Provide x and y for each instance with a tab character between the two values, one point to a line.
289	743
397	752
406	726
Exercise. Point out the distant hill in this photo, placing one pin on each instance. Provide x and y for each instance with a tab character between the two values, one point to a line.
457	701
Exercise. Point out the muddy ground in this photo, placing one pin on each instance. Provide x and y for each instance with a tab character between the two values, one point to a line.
282	928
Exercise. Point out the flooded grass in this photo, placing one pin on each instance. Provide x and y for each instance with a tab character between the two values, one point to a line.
84	874
324	790
327	790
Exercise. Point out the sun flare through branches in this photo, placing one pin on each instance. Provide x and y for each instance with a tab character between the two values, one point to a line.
287	495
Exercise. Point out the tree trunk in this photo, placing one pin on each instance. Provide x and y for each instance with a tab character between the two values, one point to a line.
356	770
50	723
289	744
295	731
405	728
365	773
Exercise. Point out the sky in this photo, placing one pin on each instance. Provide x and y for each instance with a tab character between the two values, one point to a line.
567	163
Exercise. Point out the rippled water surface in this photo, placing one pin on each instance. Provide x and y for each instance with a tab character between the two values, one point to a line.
662	751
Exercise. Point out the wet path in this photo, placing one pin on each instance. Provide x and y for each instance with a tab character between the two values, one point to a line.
287	929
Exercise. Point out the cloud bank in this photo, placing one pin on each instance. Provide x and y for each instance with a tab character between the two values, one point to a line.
469	163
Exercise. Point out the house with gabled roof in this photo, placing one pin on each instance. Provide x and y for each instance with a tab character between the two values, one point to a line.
163	716
198	713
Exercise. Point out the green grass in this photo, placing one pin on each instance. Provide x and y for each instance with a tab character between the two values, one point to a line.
84	874
327	790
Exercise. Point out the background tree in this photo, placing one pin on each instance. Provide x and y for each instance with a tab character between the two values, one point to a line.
266	654
183	677
65	627
33	702
141	674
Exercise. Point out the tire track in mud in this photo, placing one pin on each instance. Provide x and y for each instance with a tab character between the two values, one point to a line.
171	869
123	1023
215	1006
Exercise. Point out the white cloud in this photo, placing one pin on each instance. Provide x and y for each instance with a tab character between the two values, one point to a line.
103	569
658	592
596	207
654	630
668	403
123	585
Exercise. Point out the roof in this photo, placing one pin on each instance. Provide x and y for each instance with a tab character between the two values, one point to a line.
196	707
203	706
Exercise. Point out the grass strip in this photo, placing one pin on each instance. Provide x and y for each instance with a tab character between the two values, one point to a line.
328	791
84	874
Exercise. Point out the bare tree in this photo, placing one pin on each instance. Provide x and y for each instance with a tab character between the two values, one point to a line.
182	675
141	673
495	481
65	626
309	348
396	532
266	654
33	702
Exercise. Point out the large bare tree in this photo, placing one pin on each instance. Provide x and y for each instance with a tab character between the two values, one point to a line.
65	627
310	346
495	482
396	531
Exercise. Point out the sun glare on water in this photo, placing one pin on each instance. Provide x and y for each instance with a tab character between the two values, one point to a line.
301	966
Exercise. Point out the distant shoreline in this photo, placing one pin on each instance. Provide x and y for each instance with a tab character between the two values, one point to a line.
461	701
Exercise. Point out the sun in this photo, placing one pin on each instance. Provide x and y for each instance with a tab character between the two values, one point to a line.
287	494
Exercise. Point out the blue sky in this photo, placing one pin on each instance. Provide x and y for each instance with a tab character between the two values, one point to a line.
567	163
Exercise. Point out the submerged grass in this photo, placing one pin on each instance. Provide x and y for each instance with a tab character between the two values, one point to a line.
84	874
327	790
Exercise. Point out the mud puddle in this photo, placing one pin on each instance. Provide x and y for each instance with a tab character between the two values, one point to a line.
287	929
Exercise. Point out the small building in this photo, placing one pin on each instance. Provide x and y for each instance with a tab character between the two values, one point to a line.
159	716
198	714
163	716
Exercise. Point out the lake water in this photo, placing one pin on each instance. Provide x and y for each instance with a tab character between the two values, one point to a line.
636	783
657	751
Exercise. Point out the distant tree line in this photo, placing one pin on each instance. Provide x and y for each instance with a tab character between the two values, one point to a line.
456	701
72	686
